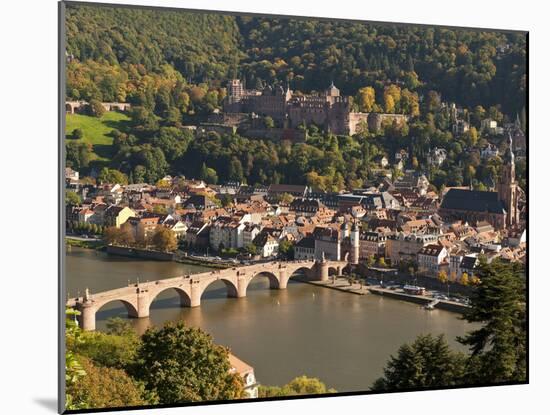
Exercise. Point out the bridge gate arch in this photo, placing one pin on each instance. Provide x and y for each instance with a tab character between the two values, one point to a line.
89	310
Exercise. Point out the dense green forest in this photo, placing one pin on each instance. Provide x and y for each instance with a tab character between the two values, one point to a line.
469	67
173	67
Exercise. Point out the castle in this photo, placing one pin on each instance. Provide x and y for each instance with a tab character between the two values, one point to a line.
328	110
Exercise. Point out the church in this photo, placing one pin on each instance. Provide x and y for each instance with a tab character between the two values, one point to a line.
499	208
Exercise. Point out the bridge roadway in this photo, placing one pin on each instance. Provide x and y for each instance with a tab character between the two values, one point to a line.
138	297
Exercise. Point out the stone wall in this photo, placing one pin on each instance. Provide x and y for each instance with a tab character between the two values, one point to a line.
139	253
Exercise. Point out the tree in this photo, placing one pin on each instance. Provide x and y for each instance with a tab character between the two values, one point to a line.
78	154
71	198
301	385
95	108
268	122
164	239
472	136
286	198
389	103
107	387
112	176
251	249
475	280
426	363
143	120
366	98
498	348
208	174
226	200
77	134
370	261
443	279
74	371
464	280
160	209
382	262
119	236
286	249
116	348
182	364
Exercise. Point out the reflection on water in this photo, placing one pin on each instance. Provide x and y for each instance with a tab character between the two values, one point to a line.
341	338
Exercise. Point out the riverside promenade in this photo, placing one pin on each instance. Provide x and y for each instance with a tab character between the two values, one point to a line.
343	284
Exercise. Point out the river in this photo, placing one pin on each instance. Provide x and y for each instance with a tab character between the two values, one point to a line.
341	338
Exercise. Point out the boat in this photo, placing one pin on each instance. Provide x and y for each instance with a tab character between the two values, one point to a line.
414	290
431	305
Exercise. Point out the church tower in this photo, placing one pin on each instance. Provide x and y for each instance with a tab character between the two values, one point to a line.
507	187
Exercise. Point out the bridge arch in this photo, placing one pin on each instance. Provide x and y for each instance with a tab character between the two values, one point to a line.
131	308
69	108
274	282
300	271
232	289
184	297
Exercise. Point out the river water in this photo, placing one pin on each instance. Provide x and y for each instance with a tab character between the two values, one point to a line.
341	338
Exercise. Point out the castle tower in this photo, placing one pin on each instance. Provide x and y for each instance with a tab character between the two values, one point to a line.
345	231
235	90
332	91
354	239
507	186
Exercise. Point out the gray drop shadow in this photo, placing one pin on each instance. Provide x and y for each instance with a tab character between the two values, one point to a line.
48	403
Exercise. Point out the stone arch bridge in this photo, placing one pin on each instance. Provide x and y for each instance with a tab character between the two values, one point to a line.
138	297
73	107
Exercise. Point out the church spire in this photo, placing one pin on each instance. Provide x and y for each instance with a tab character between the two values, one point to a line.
509	156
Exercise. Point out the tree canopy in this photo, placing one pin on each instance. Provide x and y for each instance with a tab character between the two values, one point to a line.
498	349
428	362
182	364
301	385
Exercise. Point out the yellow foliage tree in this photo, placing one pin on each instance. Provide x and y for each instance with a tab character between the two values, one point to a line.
366	98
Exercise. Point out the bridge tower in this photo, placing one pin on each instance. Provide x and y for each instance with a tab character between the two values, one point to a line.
86	320
322	269
354	239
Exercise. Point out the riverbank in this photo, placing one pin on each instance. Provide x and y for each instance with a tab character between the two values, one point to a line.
140	253
420	299
202	262
76	242
340	284
343	285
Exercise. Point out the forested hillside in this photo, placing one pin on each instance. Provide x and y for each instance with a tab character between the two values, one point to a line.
467	66
200	46
173	67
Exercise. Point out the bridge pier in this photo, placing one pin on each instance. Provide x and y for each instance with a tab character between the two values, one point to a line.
241	288
86	320
196	292
143	303
283	279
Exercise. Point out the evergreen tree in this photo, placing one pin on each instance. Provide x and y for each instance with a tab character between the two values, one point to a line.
498	348
426	363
